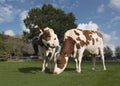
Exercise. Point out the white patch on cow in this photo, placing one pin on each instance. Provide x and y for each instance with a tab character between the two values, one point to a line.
54	41
73	35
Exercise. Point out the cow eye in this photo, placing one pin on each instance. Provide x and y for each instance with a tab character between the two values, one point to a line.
54	38
58	62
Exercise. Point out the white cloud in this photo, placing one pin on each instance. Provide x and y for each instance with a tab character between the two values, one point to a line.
111	40
89	26
101	8
23	15
7	13
9	32
115	4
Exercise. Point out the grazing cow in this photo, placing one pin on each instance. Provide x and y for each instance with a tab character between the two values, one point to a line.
76	44
47	44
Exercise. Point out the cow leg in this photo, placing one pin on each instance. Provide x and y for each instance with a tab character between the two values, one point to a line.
76	66
51	66
102	57
94	62
47	60
43	65
79	64
80	54
52	60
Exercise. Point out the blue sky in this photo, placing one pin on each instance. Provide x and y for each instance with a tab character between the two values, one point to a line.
105	14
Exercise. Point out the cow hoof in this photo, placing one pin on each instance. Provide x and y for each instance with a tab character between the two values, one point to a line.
43	70
78	71
105	69
93	68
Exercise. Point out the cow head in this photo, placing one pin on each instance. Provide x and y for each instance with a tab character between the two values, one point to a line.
60	63
49	38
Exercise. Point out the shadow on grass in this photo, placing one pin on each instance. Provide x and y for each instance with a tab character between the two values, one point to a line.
70	69
29	69
33	70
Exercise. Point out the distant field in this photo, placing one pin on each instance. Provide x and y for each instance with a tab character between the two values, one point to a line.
29	74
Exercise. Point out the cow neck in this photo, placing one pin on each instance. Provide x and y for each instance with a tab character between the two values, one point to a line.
67	47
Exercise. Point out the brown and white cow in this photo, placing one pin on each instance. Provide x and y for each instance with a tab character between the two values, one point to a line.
47	44
76	44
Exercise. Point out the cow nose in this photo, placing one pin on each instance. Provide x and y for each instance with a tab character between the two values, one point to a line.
53	45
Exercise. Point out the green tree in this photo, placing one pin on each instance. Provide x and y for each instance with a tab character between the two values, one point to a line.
25	36
4	48
48	16
108	53
117	52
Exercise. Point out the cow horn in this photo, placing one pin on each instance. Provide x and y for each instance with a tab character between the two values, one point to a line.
41	31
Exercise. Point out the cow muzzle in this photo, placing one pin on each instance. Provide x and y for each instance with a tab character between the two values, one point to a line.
51	45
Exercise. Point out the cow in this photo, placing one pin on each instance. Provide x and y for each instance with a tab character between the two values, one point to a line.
77	43
47	44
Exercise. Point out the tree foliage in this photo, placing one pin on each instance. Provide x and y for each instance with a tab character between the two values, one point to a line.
117	52
48	16
4	50
108	53
10	45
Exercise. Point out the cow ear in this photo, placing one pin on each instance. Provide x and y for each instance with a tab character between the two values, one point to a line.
41	30
56	57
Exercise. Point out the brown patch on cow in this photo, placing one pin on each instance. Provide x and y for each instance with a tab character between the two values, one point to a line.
93	31
46	35
61	61
82	43
87	42
97	39
68	46
99	34
87	34
78	46
93	41
78	39
66	50
76	33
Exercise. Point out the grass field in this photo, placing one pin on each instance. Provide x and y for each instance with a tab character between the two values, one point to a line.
29	74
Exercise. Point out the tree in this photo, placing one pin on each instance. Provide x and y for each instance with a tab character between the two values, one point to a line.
117	52
48	16
108	53
4	48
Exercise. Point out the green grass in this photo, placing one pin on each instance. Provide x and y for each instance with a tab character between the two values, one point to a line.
29	74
